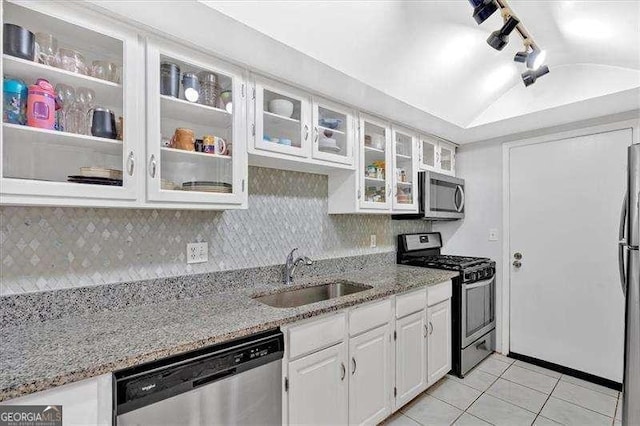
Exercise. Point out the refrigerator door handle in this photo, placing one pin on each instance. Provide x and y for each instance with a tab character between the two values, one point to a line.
622	244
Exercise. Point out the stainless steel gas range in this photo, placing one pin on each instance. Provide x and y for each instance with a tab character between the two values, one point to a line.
473	304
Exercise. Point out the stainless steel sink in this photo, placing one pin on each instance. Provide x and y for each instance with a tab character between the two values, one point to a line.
306	295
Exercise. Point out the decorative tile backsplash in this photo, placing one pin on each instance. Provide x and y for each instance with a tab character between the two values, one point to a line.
44	248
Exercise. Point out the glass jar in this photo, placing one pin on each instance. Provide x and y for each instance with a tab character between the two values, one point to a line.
208	88
191	86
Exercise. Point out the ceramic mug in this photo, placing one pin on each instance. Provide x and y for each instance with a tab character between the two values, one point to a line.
183	139
214	145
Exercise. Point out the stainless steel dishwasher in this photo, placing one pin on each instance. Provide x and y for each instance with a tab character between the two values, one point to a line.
238	382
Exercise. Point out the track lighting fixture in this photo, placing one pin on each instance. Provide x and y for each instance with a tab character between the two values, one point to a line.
499	38
533	59
530	76
482	9
532	55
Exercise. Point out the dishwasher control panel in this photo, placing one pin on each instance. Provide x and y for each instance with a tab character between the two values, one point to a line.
154	381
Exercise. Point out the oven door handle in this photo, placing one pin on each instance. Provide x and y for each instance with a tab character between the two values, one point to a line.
479	283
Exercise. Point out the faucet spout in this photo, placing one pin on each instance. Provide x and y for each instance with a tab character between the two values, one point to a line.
291	265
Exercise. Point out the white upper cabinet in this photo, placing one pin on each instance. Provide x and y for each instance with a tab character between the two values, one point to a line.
405	177
196	131
66	157
290	129
436	155
375	160
282	119
333	132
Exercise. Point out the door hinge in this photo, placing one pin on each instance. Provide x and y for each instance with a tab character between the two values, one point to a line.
395	335
254	93
395	391
242	185
253	130
243	90
286	384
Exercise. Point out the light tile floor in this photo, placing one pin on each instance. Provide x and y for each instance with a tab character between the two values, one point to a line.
502	391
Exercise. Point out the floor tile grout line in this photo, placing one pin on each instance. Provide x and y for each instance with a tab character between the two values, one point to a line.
537	371
584	387
528	387
578	405
479	396
549	397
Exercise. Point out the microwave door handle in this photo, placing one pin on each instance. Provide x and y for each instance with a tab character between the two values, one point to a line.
622	244
459	207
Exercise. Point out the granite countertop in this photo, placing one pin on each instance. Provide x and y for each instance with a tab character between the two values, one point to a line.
39	356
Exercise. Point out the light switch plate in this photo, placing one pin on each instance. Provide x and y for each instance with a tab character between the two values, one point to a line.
373	243
197	252
493	234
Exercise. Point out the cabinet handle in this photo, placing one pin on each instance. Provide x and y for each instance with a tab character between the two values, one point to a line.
344	371
355	365
316	132
426	331
430	328
152	166
306	132
130	163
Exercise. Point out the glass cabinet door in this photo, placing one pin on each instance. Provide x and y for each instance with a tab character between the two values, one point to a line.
376	168
70	123
405	196
282	119
447	155
333	132
428	153
195	133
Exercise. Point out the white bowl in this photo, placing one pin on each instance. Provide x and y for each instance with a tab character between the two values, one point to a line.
281	107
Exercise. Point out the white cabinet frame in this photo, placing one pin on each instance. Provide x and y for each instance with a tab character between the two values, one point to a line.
350	131
154	156
413	206
256	111
26	191
369	205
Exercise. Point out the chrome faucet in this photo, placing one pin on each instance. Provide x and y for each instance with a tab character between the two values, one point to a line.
291	265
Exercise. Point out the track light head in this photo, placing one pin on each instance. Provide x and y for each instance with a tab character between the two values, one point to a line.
482	9
530	76
499	38
533	59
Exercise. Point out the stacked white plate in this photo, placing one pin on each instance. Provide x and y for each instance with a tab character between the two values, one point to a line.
207	186
328	144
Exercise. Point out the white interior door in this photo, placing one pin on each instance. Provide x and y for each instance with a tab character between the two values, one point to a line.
564	207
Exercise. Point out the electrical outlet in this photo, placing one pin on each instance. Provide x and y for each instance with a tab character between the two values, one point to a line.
197	252
373	243
493	234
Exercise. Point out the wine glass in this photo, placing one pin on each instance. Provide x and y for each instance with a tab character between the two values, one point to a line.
67	96
85	100
47	47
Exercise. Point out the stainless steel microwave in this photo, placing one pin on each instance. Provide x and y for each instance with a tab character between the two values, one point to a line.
440	197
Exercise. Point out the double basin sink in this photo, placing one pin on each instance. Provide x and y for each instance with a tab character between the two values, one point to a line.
306	295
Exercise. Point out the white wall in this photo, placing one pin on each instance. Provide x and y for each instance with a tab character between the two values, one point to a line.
481	167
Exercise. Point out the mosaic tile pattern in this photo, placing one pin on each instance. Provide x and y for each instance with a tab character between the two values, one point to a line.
43	248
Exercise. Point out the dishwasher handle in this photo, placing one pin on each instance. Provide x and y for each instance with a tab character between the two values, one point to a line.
213	378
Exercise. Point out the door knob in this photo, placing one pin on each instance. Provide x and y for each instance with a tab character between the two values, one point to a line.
517	256
517	263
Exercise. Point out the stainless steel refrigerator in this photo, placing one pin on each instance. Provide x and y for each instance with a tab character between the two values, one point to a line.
629	260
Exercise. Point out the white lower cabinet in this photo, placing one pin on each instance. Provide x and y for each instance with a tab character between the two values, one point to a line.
318	388
87	402
439	341
358	365
370	381
411	357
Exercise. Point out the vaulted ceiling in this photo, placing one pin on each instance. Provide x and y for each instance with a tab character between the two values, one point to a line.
433	56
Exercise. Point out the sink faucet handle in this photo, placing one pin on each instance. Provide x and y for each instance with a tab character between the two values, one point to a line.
307	261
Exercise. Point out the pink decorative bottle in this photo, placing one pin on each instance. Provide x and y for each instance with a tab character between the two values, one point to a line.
41	105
